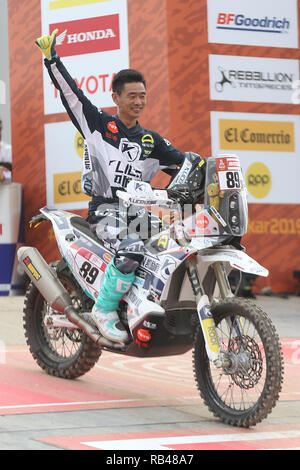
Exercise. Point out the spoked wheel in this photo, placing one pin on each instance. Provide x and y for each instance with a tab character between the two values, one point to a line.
60	351
246	388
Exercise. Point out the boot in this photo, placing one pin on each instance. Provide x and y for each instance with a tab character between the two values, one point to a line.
114	286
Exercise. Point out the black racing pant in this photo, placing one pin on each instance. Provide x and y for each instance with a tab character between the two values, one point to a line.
124	230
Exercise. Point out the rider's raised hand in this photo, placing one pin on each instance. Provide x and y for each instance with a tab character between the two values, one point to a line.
47	45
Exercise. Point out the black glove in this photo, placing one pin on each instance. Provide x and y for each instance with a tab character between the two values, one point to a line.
181	194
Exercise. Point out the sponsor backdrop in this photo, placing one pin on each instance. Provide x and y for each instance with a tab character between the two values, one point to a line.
268	146
222	78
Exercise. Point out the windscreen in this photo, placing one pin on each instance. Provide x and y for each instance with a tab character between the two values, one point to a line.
226	194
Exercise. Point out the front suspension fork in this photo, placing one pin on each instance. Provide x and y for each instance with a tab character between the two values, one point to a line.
204	312
235	323
203	306
206	320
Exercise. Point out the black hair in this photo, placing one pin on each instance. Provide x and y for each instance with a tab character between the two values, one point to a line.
126	76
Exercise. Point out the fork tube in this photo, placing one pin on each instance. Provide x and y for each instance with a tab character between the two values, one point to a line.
222	280
204	312
203	306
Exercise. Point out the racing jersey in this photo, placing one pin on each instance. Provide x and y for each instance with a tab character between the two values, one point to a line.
114	154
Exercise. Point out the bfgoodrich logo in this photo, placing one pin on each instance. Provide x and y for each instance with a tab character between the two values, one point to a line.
241	22
258	23
87	36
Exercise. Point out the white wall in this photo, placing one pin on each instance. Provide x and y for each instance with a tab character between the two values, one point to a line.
4	73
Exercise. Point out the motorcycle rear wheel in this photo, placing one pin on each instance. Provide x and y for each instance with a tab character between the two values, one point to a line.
245	392
60	352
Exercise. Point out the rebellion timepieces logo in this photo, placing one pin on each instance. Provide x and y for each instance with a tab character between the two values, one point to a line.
87	36
254	79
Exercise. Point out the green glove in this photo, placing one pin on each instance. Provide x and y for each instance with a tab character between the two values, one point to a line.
47	45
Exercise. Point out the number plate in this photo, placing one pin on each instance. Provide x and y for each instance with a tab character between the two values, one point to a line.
229	173
88	267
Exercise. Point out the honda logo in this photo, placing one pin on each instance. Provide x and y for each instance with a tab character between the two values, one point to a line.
82	37
87	36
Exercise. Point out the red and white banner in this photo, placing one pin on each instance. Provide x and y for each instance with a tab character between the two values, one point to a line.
86	36
92	41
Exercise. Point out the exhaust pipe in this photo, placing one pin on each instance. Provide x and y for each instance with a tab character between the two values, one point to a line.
46	281
44	278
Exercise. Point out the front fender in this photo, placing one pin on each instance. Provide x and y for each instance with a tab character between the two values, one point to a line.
237	259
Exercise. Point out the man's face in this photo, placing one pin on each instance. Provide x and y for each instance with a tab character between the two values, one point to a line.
131	101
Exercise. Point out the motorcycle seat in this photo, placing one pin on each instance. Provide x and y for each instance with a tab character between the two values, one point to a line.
81	224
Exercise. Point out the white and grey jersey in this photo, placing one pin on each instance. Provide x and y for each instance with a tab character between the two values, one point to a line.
114	154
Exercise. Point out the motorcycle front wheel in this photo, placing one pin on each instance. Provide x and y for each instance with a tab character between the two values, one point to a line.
61	352
244	391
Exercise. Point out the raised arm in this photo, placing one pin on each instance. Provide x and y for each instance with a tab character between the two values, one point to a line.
84	115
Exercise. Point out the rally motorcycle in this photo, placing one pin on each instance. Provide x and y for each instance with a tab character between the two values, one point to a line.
181	298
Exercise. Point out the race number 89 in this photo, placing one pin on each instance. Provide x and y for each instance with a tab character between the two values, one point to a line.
229	180
88	272
233	180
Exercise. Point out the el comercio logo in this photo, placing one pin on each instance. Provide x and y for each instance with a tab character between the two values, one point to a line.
67	188
272	136
87	36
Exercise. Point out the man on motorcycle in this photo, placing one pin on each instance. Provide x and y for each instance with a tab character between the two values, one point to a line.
117	149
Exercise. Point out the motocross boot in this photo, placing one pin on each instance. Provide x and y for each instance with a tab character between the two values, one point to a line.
114	286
